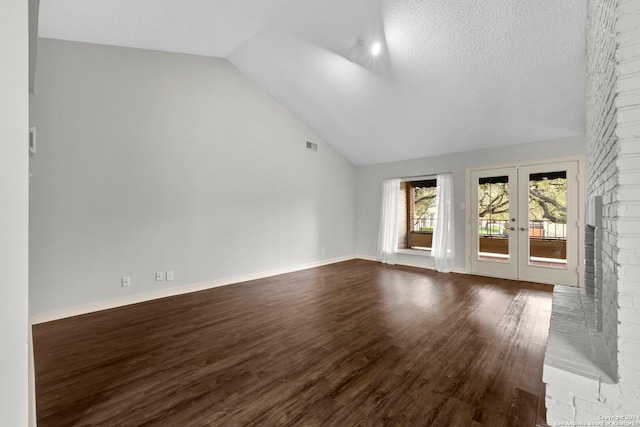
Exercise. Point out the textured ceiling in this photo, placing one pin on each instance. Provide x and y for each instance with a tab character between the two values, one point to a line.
452	76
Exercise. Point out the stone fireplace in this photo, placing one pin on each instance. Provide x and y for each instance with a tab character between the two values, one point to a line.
577	362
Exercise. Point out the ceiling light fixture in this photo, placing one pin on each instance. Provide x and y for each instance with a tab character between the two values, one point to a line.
356	50
360	52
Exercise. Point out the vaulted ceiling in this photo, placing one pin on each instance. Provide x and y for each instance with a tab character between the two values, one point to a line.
452	75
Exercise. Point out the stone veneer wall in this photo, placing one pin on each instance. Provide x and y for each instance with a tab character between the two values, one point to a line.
596	387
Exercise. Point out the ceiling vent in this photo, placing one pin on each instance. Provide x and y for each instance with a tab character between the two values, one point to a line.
312	146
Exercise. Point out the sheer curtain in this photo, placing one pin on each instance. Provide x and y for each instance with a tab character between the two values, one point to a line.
442	248
388	232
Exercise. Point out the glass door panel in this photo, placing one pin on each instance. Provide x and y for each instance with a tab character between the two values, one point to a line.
548	219
493	207
493	218
548	241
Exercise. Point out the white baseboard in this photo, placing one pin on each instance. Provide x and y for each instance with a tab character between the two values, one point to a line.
366	257
421	264
179	290
418	262
32	383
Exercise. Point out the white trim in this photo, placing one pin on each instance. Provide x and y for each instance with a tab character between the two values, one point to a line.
415	252
536	162
467	220
366	257
32	384
412	261
134	299
407	263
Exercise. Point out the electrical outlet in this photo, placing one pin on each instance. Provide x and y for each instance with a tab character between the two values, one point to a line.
169	275
125	282
159	276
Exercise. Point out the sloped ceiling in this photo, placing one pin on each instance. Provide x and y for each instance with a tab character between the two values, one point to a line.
453	75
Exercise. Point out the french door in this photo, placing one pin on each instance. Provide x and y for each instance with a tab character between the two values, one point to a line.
524	222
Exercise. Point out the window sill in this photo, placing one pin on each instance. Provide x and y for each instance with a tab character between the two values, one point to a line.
414	252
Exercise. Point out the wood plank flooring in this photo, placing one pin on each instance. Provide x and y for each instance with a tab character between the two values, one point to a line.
356	343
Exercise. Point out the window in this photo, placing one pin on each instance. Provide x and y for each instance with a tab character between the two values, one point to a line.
417	218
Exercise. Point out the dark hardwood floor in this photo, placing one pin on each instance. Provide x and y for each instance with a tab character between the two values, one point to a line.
356	343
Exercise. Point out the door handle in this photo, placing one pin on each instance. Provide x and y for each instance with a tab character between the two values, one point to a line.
512	228
523	228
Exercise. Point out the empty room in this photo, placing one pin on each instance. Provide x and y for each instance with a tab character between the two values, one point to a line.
304	213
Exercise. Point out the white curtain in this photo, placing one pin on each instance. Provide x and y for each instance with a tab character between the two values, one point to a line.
388	232
442	248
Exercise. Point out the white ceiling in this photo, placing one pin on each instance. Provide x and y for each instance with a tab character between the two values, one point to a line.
453	75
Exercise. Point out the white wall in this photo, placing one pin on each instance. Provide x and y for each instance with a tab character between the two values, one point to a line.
369	185
151	161
14	90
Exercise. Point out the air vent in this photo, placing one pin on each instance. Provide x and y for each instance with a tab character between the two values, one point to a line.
312	146
32	140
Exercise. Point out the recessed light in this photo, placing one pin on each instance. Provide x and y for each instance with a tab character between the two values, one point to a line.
375	49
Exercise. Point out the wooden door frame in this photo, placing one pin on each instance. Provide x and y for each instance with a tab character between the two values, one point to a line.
581	204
